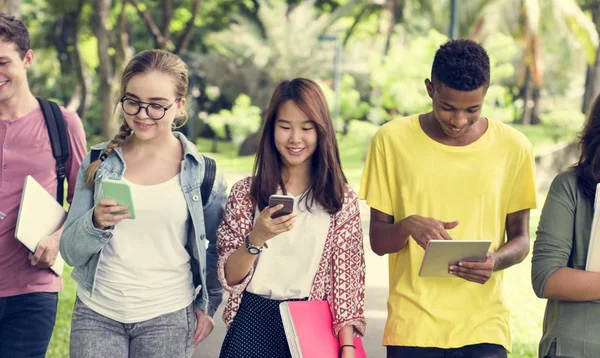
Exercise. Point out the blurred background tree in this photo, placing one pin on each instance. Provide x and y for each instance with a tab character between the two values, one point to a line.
371	56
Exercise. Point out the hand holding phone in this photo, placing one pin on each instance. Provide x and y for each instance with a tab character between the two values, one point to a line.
288	205
117	204
275	219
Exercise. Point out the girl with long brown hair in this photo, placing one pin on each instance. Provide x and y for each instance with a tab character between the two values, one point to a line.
314	253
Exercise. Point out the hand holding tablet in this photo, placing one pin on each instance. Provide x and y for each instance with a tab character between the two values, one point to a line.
478	272
440	255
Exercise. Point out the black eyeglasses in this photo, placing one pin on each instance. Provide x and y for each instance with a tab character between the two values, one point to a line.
154	110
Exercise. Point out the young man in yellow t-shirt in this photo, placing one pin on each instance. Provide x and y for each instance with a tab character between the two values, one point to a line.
449	174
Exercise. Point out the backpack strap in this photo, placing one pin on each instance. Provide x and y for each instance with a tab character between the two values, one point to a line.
57	131
94	155
210	173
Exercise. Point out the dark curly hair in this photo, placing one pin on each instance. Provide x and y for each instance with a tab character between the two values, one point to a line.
588	167
462	65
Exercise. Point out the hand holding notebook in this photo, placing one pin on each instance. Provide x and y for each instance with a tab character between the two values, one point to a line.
40	216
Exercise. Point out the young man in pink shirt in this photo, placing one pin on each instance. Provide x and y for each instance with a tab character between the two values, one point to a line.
28	288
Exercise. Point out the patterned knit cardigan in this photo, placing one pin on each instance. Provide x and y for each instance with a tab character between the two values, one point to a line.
340	278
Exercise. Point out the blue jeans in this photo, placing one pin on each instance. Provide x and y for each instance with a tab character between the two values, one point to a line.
96	336
26	324
483	350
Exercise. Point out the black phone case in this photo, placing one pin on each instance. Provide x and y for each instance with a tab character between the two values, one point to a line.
288	207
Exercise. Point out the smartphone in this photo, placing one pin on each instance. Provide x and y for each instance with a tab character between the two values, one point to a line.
288	205
119	192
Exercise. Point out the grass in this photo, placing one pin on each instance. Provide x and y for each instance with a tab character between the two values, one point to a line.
59	344
526	309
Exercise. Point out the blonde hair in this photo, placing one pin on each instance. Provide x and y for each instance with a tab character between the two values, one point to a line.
145	62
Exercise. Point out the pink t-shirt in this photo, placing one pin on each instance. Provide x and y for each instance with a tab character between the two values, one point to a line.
25	150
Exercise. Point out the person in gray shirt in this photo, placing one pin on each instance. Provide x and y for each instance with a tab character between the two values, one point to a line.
572	319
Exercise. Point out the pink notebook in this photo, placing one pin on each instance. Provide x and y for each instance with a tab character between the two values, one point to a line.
307	327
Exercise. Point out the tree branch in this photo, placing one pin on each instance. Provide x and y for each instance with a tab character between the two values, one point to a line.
186	36
357	19
159	39
167	16
122	51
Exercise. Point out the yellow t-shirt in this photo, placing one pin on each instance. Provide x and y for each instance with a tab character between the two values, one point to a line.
406	173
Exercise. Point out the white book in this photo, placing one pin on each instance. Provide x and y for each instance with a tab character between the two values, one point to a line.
593	256
40	215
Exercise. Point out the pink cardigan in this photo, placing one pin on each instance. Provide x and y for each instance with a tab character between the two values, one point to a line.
340	278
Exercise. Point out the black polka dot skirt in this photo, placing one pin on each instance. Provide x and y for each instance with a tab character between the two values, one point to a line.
257	330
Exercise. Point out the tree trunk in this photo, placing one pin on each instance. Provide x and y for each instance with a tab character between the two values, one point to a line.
160	41
66	42
527	95
592	74
105	71
186	36
11	7
535	110
122	50
390	5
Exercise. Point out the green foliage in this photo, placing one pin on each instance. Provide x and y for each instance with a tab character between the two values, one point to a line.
397	79
350	105
242	120
256	53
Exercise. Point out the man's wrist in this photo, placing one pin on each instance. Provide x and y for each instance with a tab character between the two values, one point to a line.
402	230
495	261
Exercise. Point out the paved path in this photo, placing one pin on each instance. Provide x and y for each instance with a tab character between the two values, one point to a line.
375	305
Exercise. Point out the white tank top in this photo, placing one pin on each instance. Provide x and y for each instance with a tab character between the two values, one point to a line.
144	271
287	269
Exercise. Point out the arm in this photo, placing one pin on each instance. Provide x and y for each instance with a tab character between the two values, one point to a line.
240	263
550	274
346	337
213	213
517	241
522	197
386	237
513	252
48	248
80	239
236	224
348	274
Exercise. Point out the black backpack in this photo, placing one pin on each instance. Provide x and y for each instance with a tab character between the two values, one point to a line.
210	172
57	131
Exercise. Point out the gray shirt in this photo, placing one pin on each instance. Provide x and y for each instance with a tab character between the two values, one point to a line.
571	329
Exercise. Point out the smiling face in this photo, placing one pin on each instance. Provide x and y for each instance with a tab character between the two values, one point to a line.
295	135
154	89
455	111
13	71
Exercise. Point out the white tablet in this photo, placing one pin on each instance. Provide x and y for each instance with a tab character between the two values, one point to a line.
442	253
40	215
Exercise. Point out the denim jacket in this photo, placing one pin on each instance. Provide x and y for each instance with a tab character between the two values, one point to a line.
81	243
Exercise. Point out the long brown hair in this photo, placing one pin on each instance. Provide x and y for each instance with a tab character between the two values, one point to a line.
588	167
326	185
144	62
